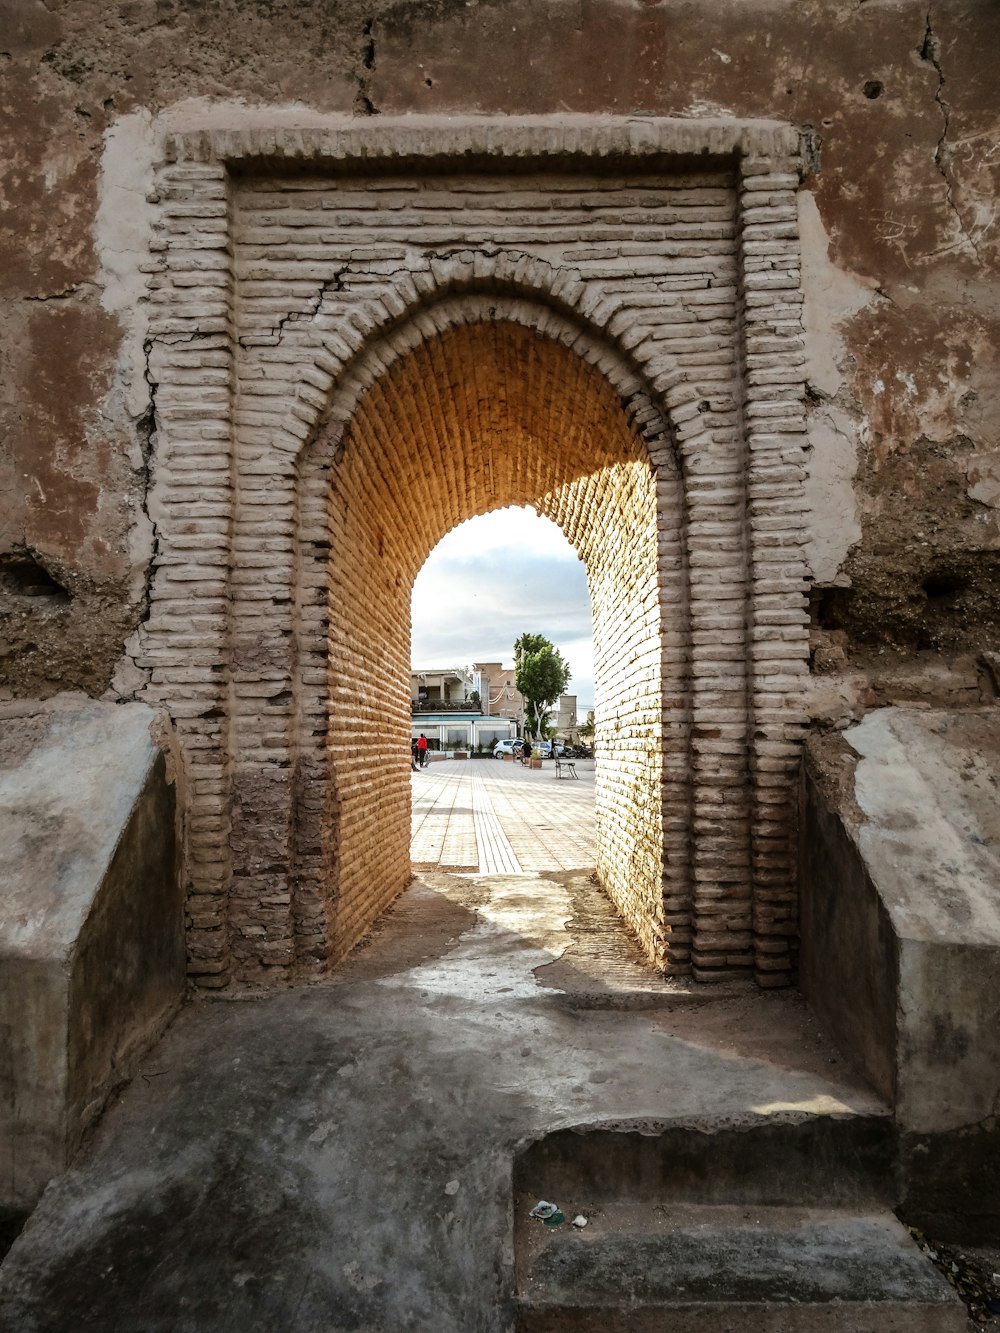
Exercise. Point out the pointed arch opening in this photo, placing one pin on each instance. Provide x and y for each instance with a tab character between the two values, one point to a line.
477	417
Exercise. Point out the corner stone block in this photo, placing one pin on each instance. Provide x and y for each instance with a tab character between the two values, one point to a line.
91	923
901	937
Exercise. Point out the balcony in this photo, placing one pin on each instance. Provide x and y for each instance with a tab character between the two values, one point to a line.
445	706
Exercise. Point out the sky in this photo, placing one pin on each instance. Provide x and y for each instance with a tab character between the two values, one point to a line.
494	578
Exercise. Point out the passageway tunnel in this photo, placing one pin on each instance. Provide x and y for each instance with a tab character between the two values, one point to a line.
475	418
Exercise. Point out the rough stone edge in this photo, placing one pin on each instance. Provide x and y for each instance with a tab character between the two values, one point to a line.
776	443
401	138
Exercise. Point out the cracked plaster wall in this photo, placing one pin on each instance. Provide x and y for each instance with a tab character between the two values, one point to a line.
901	251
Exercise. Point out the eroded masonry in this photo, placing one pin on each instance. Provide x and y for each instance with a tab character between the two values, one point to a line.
289	289
363	336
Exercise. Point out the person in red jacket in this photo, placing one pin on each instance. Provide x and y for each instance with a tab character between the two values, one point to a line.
422	750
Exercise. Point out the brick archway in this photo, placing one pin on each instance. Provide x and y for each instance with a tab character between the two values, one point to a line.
485	413
301	273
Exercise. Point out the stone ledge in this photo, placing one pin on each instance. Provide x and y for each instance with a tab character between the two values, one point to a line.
464	141
91	924
901	934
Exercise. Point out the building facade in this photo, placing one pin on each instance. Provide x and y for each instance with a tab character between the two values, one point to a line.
447	708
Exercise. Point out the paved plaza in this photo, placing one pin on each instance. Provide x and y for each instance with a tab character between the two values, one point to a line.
499	818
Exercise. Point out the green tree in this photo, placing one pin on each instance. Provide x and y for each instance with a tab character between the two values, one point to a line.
541	675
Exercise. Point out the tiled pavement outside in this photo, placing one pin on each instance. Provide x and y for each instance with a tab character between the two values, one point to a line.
499	818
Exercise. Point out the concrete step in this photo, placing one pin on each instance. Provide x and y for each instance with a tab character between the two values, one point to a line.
792	1158
769	1226
749	1270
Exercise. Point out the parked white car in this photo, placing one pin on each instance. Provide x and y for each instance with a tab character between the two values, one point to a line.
512	746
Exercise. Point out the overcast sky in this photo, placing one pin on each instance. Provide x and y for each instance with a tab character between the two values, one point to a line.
497	577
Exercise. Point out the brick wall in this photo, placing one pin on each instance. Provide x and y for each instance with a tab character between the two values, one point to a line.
357	351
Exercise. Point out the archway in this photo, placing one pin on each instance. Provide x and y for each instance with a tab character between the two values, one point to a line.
477	417
295	268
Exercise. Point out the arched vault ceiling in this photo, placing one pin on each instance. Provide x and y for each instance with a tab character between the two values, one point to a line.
483	416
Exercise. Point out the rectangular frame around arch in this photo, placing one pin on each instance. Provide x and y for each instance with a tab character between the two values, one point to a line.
232	689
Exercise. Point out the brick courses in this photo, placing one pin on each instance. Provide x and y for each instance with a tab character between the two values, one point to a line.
368	334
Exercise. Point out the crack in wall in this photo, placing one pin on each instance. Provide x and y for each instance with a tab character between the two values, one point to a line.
146	429
930	51
363	104
63	295
335	283
811	142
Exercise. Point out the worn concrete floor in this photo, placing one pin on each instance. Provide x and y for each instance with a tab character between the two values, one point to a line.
339	1158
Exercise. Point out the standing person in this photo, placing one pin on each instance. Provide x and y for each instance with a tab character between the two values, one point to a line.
526	753
413	753
422	750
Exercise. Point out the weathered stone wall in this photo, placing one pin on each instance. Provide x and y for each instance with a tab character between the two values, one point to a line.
901	260
898	294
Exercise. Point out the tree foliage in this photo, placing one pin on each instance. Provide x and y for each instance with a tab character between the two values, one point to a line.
541	675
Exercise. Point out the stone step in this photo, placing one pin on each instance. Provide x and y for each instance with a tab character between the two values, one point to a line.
789	1157
690	1269
780	1223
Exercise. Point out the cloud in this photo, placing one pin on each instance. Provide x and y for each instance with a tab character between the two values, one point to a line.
496	577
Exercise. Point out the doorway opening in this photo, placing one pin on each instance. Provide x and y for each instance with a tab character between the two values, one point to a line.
484	415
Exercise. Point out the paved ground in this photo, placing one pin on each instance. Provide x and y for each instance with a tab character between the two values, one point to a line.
501	818
339	1157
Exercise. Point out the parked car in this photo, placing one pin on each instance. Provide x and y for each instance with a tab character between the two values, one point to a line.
541	749
512	746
